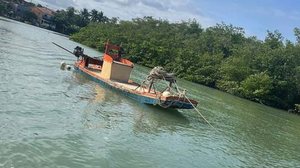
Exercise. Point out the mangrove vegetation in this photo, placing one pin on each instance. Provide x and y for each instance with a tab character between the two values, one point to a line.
222	56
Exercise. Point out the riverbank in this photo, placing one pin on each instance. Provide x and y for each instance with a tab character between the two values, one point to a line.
65	21
234	73
220	57
60	118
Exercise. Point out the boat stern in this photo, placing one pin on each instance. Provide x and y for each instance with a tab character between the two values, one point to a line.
178	103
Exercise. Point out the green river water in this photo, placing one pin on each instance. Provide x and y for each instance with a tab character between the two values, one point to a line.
54	118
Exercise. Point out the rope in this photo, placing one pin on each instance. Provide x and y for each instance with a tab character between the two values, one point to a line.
200	113
158	73
194	107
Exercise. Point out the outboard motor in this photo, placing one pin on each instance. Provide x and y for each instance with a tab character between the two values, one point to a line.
78	51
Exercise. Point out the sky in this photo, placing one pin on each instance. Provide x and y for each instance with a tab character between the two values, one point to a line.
255	16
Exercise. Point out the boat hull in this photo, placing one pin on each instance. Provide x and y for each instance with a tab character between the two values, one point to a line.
178	104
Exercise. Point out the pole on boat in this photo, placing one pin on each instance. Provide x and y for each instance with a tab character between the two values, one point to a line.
63	65
63	48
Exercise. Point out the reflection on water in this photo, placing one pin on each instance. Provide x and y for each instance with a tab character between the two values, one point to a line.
146	118
150	119
55	118
99	94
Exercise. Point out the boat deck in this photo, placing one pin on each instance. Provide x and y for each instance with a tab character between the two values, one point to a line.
132	90
135	87
130	86
126	86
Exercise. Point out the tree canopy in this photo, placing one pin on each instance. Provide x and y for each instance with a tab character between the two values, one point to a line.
70	21
220	56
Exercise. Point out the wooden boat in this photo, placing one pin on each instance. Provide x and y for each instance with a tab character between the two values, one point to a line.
113	71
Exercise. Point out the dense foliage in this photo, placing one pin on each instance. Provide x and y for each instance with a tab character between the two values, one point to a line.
220	56
70	20
3	9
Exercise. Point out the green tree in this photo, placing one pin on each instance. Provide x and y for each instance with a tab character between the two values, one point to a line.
220	56
3	9
94	15
297	34
274	39
61	21
84	17
297	78
257	87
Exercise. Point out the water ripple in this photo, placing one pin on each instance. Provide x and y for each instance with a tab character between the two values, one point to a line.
54	118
